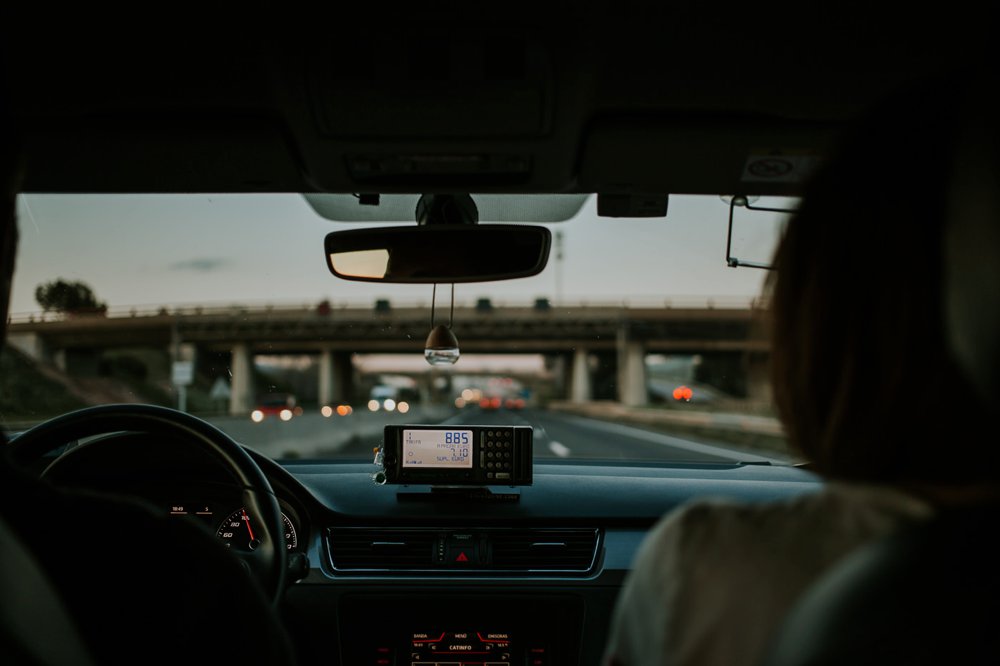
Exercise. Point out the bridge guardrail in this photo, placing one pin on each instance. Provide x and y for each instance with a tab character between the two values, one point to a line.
324	307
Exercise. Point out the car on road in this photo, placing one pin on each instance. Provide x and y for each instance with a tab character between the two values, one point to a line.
275	405
387	398
633	166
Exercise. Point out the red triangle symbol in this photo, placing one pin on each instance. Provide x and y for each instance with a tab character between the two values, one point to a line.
461	558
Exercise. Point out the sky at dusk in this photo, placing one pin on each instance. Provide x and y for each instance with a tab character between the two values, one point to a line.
147	251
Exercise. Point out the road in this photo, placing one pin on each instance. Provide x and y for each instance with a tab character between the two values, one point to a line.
556	436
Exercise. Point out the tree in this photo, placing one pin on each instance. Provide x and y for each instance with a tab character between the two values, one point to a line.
69	297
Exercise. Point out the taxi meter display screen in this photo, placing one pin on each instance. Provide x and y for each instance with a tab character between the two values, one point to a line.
437	449
466	455
460	648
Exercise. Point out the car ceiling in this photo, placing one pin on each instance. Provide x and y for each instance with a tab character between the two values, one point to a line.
592	97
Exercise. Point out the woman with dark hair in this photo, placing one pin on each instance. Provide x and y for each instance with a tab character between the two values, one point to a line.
864	384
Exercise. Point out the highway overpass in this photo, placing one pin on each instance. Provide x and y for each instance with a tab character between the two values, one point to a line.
619	337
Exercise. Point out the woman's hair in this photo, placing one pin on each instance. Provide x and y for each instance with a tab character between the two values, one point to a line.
862	377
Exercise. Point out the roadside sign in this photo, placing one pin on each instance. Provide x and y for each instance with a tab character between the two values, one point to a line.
182	373
220	390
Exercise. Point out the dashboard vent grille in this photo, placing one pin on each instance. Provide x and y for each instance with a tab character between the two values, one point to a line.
476	551
545	549
373	549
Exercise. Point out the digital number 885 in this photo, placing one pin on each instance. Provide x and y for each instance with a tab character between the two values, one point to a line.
456	438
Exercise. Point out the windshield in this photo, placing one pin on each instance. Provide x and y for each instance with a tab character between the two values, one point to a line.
637	342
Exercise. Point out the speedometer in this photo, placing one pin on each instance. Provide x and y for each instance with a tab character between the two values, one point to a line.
237	531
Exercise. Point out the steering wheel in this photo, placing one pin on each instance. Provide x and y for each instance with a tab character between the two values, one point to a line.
268	561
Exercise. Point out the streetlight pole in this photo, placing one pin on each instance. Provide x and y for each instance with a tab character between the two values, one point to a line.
559	258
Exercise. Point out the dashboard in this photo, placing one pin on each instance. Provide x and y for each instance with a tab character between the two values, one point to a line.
393	575
402	575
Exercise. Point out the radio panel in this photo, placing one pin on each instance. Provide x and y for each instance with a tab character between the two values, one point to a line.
457	456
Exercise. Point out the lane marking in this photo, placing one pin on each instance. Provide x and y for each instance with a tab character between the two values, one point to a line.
559	449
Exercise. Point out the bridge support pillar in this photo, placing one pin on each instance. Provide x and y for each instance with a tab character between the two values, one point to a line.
425	390
631	371
758	378
335	375
557	365
184	351
581	388
31	344
241	386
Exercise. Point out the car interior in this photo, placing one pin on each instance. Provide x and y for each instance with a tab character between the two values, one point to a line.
436	146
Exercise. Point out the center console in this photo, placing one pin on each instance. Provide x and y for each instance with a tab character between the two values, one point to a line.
460	630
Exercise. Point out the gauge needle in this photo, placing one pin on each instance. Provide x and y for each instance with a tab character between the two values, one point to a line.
246	521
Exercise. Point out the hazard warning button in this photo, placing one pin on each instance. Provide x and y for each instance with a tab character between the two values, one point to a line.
462	556
463	550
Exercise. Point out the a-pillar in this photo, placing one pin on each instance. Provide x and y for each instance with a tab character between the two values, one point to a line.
241	384
335	375
581	388
632	389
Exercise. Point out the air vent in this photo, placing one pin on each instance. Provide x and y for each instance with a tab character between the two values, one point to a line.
476	551
368	549
544	550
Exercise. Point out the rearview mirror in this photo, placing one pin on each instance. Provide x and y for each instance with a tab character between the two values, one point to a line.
439	253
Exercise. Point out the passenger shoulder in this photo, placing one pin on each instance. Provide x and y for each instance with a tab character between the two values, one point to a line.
830	512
